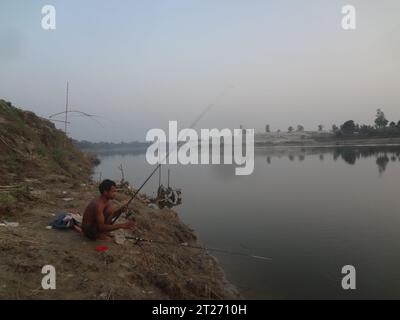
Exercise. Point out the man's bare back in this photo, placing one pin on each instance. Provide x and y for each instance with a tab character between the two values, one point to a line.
98	215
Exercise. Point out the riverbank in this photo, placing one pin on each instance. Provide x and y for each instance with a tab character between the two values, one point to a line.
44	175
316	139
128	270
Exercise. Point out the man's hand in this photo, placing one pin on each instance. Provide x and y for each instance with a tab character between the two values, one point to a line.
130	225
124	208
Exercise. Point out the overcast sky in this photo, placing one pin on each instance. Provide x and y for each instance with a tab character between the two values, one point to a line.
138	64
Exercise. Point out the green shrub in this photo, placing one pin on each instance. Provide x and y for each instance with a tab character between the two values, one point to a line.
58	156
7	198
41	150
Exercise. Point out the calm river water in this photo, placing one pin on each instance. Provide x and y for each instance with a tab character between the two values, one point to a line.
312	210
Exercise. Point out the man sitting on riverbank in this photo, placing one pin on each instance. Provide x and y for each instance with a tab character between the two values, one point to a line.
98	216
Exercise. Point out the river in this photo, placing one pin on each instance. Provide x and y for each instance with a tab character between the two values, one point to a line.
312	210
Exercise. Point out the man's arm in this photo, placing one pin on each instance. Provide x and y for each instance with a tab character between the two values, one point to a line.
115	215
102	226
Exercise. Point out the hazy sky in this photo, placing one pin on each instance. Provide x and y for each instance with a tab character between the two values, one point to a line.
138	64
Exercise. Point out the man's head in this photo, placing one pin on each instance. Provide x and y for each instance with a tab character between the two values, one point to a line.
108	189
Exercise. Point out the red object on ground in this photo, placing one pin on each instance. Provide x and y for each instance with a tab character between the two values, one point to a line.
101	248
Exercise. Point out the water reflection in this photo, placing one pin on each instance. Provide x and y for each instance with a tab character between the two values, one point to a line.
350	155
310	214
382	162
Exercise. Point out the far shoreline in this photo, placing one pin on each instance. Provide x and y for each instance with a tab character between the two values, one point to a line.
331	143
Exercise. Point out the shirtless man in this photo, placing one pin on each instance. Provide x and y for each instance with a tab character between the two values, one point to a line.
98	216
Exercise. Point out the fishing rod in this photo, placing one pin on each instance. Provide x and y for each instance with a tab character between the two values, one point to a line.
137	239
201	115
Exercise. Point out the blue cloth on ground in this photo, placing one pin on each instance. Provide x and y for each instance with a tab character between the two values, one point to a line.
65	221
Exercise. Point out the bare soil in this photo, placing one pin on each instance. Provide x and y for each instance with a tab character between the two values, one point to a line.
128	270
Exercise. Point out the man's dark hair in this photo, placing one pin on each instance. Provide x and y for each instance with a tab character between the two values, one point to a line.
106	185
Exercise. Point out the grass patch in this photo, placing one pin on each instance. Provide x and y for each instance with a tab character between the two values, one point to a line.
12	113
60	157
7	198
11	161
42	151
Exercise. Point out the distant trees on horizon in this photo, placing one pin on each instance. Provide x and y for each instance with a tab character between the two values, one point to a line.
87	145
381	128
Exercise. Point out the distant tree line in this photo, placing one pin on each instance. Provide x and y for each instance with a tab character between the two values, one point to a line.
87	145
382	128
291	129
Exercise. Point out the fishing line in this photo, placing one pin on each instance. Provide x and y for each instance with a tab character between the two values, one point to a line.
185	245
201	115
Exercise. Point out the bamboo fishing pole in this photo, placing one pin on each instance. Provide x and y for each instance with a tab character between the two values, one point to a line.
201	115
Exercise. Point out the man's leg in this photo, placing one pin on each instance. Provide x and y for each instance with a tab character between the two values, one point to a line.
108	214
105	237
91	232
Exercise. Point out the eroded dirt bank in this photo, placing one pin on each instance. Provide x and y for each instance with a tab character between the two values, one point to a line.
43	174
